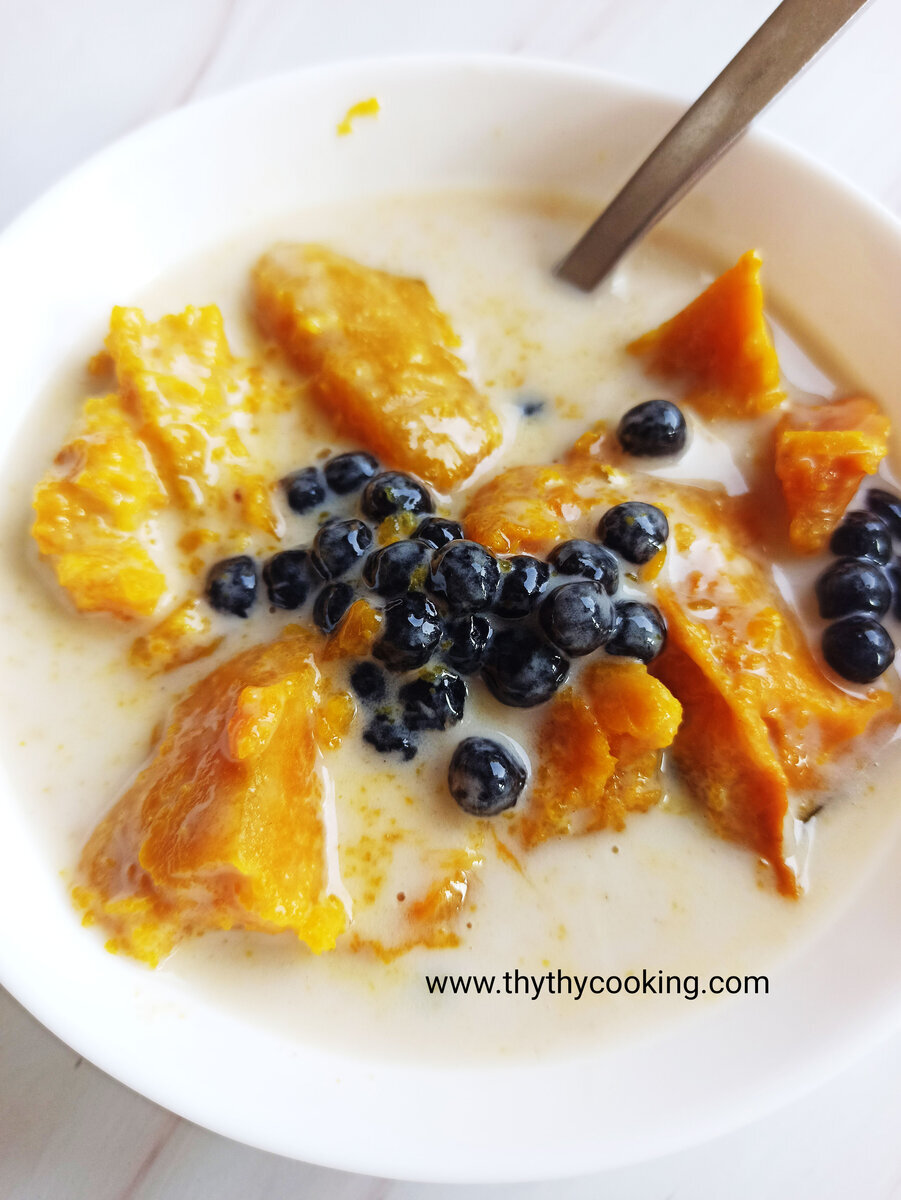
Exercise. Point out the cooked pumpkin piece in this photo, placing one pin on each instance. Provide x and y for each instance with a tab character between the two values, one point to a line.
89	509
224	828
183	636
168	438
822	454
729	762
719	346
431	919
528	509
334	719
636	712
356	633
600	752
761	718
381	354
572	775
736	660
185	389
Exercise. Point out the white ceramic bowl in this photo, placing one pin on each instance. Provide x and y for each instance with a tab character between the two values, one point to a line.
190	181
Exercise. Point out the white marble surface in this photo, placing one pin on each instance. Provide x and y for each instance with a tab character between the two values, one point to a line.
74	76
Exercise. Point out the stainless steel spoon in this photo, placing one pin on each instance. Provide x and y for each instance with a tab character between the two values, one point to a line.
778	51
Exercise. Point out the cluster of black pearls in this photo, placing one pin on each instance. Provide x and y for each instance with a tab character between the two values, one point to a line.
856	591
451	609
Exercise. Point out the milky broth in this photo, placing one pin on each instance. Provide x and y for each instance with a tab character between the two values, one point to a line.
664	894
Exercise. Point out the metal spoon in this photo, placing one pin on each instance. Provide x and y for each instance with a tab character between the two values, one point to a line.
781	47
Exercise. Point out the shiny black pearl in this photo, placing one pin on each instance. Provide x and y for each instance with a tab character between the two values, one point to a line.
853	585
888	506
466	642
862	535
438	531
587	560
289	577
393	492
346	473
465	576
521	669
331	604
640	631
635	530
578	617
369	682
484	777
652	429
397	568
339	545
388	736
858	648
411	631
231	585
893	570
434	701
524	581
304	489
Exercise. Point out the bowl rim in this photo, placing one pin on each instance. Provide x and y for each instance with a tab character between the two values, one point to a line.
502	63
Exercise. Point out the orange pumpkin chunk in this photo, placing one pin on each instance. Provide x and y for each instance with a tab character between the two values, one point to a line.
169	437
529	509
572	775
224	828
89	508
435	912
381	356
760	716
182	637
184	388
719	346
334	719
522	510
600	752
737	659
822	454
432	919
636	712
354	636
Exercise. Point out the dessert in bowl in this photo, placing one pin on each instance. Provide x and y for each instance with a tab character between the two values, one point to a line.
396	615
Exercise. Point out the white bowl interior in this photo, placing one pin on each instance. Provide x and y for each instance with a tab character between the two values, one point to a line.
189	182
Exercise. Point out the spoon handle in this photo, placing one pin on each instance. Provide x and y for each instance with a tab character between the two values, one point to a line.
781	47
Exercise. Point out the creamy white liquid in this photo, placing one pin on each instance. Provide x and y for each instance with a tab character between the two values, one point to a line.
664	894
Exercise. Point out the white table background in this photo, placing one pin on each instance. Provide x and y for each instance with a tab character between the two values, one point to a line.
75	74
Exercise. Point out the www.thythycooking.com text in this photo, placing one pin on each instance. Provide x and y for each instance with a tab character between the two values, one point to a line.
559	983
